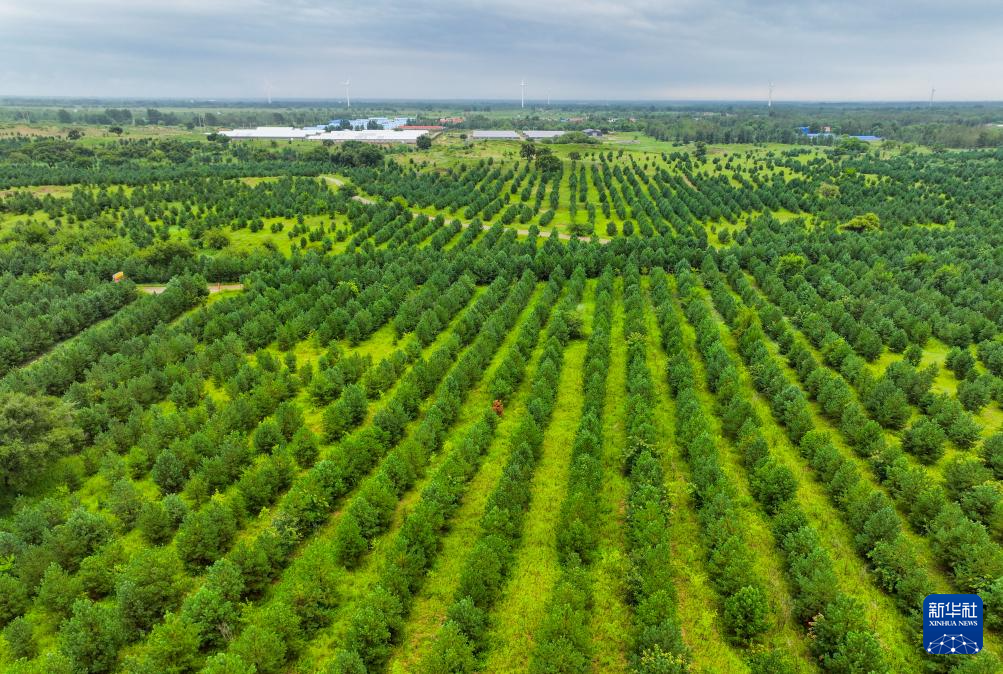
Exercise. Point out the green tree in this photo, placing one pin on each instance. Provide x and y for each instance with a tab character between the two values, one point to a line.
227	663
746	613
773	484
700	150
262	648
451	653
205	535
267	437
91	637
13	598
925	440
867	222
34	431
150	585
59	590
172	646
303	447
20	638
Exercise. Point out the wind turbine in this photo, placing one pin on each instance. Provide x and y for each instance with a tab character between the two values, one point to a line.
932	92
268	91
522	93
348	100
769	103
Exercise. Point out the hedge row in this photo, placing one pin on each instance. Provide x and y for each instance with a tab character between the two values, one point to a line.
657	640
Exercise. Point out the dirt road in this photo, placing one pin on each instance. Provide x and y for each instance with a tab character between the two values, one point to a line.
213	288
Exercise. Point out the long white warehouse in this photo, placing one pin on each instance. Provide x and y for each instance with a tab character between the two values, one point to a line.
404	136
291	133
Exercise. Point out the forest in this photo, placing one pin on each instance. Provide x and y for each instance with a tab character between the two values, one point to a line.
669	402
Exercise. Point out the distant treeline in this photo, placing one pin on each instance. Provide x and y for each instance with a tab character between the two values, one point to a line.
954	126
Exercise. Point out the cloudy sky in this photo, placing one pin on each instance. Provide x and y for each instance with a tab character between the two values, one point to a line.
573	49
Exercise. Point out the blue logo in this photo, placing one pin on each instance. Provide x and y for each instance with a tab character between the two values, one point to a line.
952	624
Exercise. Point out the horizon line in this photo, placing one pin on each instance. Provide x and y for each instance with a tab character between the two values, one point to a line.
7	99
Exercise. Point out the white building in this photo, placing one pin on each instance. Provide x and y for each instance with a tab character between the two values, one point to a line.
313	133
495	135
269	132
404	136
538	135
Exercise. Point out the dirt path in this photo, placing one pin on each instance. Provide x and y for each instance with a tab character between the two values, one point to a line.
213	288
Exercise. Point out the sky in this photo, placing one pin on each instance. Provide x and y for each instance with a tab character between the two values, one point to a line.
853	50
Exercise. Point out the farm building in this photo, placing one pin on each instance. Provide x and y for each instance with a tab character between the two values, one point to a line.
386	123
422	127
593	133
314	133
371	136
537	135
269	133
495	135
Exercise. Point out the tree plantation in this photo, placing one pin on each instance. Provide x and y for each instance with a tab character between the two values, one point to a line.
636	404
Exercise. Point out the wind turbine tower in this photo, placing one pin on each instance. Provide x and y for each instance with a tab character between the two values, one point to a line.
769	102
348	99
522	93
932	92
